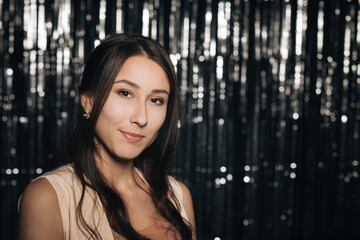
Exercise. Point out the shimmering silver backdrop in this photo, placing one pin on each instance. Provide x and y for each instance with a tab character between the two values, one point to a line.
270	105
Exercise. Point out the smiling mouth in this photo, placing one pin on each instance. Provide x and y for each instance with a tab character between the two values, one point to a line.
132	137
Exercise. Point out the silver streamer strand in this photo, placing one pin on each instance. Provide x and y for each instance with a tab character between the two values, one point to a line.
270	105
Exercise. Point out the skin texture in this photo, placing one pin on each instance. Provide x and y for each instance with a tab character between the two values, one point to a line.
128	123
40	216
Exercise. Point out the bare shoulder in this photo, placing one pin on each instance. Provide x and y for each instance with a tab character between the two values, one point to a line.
188	205
40	216
40	190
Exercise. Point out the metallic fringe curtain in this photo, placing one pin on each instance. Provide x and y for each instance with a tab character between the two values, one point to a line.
270	105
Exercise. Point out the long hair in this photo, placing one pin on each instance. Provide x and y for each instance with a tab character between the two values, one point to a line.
100	71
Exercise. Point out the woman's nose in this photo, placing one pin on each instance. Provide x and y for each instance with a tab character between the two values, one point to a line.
139	115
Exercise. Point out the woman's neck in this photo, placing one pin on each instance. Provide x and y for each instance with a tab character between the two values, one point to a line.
118	172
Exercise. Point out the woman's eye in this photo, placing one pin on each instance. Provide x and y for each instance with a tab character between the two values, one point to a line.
124	93
157	101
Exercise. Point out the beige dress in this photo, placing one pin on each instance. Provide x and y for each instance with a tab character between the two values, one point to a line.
68	190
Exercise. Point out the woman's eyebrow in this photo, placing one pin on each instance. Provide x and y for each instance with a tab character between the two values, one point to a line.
160	91
127	82
132	84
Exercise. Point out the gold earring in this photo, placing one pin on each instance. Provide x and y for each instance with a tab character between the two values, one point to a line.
87	114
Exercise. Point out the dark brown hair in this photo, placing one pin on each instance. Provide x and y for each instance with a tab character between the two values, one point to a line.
99	74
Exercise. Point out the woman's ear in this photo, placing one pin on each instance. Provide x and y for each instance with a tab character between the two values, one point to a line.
86	102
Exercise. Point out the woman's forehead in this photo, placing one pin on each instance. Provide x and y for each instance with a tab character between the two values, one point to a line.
141	71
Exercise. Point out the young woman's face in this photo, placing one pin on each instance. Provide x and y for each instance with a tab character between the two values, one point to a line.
135	109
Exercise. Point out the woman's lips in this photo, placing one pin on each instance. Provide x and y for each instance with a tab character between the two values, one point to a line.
132	137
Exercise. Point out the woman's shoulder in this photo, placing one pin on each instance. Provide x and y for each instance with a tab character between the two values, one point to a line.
178	187
63	171
47	185
62	177
40	191
183	195
181	191
47	200
39	210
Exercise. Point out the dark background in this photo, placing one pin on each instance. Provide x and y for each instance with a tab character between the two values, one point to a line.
270	105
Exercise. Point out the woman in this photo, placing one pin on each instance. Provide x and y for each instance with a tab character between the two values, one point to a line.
115	186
